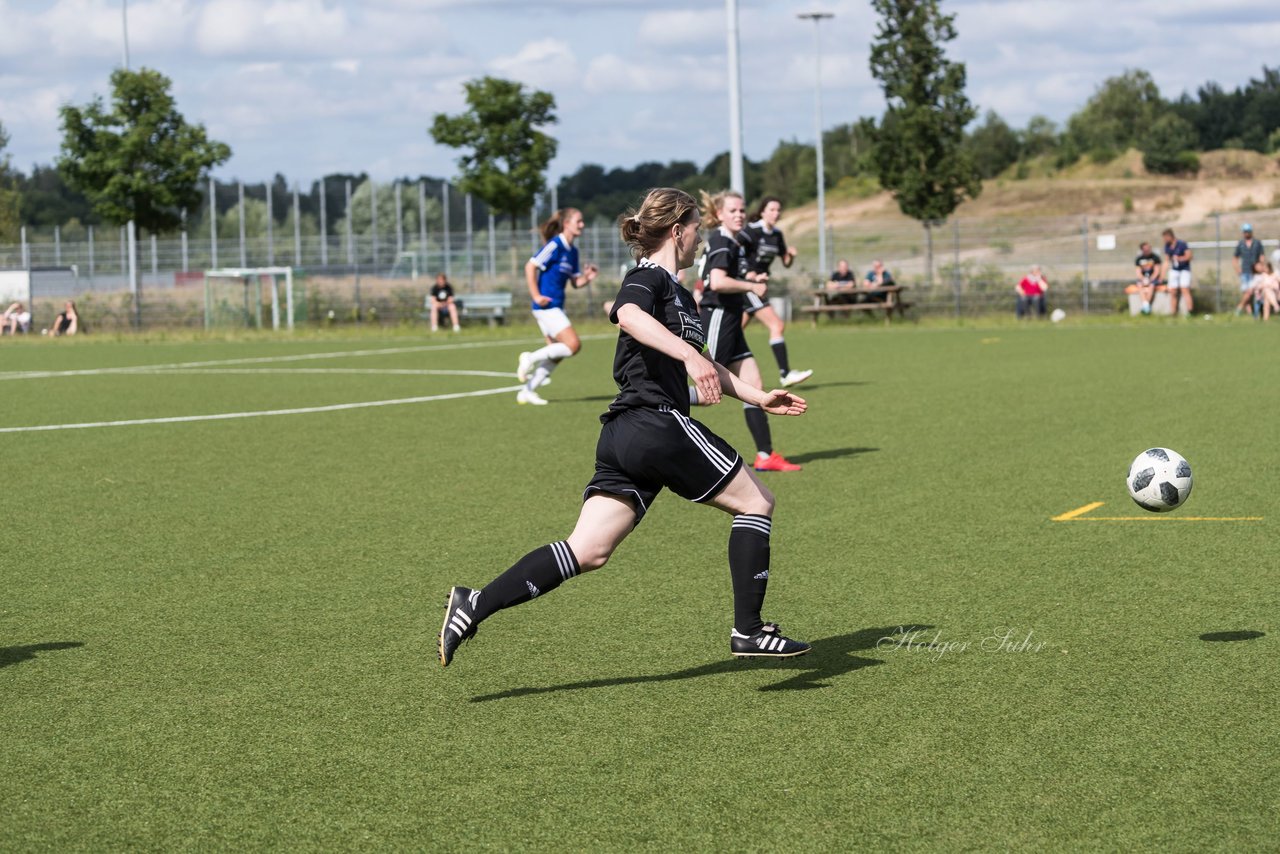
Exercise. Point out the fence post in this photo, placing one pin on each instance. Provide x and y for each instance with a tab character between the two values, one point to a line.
57	245
1084	233
297	230
91	259
185	256
324	228
1217	240
373	221
26	253
244	257
444	196
155	261
133	273
213	225
271	239
955	275
471	267
399	222
493	250
351	245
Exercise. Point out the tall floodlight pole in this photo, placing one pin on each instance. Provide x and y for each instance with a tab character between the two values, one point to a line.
736	180
818	18
124	20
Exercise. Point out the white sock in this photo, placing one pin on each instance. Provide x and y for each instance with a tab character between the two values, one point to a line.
555	352
693	396
540	373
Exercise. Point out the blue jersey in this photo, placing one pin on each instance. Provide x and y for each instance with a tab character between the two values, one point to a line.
1173	250
558	263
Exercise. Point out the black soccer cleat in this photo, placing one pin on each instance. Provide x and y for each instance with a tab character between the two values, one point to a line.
769	642
459	622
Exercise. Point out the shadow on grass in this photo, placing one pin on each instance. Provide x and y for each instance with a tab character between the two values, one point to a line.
833	453
1231	636
18	654
806	387
597	398
831	657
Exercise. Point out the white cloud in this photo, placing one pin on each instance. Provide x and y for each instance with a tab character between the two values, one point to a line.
545	64
290	27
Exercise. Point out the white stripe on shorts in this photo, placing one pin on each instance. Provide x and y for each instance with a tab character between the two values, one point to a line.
713	332
710	451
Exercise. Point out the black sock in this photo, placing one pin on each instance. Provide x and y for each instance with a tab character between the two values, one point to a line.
536	573
780	353
758	424
749	569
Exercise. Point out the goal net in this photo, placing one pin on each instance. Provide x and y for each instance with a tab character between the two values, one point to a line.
246	297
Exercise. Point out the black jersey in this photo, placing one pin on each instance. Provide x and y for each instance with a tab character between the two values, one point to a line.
762	245
442	292
723	252
1148	264
646	377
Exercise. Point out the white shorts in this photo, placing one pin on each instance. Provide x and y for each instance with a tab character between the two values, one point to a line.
552	321
1179	279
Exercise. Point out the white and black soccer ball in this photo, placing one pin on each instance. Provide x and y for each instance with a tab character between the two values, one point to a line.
1159	480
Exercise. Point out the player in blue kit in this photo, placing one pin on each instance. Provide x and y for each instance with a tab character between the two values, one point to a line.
648	442
548	274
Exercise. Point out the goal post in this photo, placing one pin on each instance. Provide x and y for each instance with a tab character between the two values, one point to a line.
234	296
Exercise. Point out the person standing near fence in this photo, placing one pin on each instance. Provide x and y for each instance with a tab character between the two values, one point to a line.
1248	252
647	443
727	281
1177	273
548	274
764	242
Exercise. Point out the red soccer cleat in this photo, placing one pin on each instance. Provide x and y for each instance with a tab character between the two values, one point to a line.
774	462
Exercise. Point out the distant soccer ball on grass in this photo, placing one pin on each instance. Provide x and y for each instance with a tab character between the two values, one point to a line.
1159	480
1058	315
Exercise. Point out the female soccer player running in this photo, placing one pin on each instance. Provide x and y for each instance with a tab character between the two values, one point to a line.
762	241
547	274
727	282
649	442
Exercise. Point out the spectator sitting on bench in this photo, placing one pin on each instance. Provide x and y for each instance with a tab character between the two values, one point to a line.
442	303
877	277
1266	287
842	284
67	322
15	319
1147	266
1031	293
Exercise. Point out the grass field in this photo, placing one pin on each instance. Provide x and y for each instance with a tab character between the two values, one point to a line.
220	634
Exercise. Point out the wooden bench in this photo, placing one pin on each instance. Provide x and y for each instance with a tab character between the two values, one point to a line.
491	307
822	303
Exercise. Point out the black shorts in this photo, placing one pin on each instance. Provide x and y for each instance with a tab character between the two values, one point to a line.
725	341
642	450
755	303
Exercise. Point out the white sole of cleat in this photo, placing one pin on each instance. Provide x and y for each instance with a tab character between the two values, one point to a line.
771	654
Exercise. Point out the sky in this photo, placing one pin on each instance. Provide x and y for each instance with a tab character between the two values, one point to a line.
306	88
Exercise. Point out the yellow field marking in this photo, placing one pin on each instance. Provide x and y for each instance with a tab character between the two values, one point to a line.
1078	514
1079	511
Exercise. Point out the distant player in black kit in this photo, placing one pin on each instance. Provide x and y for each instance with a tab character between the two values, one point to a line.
649	442
728	280
763	242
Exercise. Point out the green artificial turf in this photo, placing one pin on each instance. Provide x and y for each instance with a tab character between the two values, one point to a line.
220	634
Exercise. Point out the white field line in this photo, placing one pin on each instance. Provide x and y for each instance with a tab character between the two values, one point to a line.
227	416
266	360
413	372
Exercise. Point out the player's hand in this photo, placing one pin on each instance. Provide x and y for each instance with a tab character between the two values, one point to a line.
759	289
705	379
542	300
591	272
782	402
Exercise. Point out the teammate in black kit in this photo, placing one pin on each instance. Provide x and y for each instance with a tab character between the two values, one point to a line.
649	442
762	242
727	281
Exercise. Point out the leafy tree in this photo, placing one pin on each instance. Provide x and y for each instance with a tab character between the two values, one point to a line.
362	215
791	173
1167	146
138	160
506	153
920	153
9	198
850	150
1039	137
993	145
1116	116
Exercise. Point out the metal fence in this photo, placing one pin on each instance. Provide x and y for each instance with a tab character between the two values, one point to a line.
382	276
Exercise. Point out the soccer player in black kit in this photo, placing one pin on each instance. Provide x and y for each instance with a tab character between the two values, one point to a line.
763	242
649	442
728	281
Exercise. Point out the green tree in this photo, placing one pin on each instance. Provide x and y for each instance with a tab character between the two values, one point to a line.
1039	137
9	198
920	152
993	145
1115	117
1167	147
505	151
791	173
139	159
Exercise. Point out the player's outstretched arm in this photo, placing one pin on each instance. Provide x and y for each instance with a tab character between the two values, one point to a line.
775	402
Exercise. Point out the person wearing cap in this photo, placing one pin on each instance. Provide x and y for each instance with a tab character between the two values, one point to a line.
1248	252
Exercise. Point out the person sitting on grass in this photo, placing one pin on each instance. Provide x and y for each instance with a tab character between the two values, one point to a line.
67	322
1147	269
15	319
1031	293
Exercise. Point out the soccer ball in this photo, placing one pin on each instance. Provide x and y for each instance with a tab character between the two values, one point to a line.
1159	480
1058	315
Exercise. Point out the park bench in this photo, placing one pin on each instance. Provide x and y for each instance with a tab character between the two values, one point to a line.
491	307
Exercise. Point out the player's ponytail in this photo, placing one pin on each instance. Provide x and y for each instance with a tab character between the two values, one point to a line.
646	228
